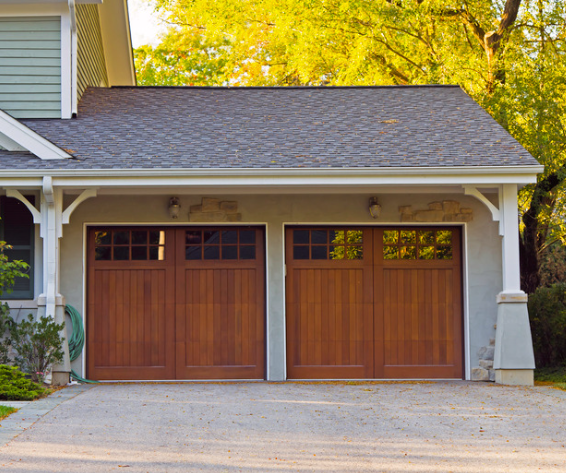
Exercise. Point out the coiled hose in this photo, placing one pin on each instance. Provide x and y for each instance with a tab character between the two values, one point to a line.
76	340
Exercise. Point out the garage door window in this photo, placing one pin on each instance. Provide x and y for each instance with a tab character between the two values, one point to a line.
417	244
220	245
126	245
323	244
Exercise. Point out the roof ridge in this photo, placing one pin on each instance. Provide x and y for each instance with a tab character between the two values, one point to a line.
279	87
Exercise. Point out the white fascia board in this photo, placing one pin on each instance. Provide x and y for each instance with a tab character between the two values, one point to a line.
117	42
284	178
29	139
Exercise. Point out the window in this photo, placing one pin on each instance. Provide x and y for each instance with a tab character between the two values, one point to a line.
129	245
17	229
417	244
225	244
328	244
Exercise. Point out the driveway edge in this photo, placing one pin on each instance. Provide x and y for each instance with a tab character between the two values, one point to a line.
18	422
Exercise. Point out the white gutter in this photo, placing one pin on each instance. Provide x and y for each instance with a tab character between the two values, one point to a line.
279	177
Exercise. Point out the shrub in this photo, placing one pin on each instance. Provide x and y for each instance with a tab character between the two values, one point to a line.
6	324
15	387
547	314
38	345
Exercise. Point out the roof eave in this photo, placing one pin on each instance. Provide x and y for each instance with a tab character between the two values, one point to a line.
281	177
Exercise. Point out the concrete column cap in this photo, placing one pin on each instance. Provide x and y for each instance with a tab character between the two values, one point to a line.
59	300
512	297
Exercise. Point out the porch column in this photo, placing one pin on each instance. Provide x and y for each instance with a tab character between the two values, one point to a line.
50	302
514	358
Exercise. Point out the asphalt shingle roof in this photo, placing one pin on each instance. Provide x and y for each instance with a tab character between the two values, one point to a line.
192	127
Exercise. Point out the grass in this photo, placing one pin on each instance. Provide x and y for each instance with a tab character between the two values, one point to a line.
555	377
5	411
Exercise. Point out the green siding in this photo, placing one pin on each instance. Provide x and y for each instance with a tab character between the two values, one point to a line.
30	67
91	65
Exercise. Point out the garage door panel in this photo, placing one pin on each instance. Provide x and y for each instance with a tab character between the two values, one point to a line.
220	318
173	315
418	274
330	317
329	305
396	301
220	305
418	322
130	328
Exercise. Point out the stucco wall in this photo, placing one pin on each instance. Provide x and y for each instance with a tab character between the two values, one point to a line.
482	248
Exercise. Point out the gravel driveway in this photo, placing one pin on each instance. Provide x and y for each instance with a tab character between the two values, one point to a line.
265	427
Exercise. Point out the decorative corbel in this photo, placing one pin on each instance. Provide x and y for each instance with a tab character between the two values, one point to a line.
86	194
17	195
495	212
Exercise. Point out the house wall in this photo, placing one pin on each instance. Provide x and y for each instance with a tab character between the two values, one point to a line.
91	66
482	249
30	66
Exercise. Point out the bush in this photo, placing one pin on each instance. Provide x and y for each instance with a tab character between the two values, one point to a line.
38	345
15	387
551	375
547	314
6	324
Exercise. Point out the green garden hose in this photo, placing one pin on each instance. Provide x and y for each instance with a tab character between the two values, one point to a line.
76	340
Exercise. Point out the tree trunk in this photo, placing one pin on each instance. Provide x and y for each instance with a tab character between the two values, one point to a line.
532	239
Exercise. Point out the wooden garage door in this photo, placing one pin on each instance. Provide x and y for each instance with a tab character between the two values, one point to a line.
374	302
175	303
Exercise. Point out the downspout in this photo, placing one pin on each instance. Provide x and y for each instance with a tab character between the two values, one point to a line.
74	62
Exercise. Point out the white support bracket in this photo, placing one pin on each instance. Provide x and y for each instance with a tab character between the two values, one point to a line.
495	212
17	195
86	194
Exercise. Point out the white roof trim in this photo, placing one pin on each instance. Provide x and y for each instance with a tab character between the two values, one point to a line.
15	136
277	177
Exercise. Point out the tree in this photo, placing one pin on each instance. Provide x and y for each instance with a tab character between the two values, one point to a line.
509	55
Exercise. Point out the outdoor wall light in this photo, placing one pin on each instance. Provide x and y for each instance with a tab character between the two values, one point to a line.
174	207
374	207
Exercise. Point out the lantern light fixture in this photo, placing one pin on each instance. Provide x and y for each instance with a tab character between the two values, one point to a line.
374	207
174	207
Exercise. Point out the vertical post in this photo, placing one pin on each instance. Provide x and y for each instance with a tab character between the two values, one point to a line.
50	302
66	66
510	226
514	357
